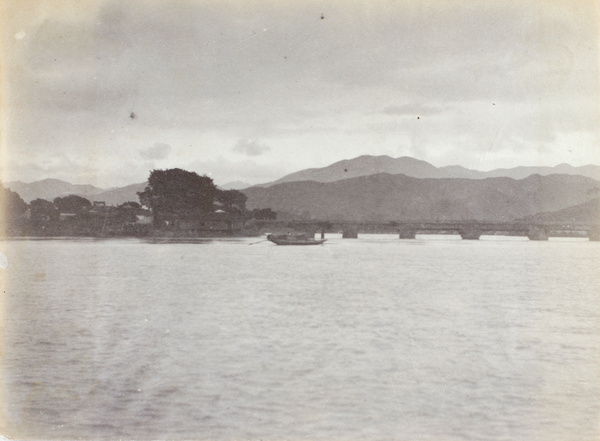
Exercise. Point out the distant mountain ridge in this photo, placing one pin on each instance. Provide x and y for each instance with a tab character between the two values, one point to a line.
367	165
587	212
342	171
50	189
118	196
384	197
235	185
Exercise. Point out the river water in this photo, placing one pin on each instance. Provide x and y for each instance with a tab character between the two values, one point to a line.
373	338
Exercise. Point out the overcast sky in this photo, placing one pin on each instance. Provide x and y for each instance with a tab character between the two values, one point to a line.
102	92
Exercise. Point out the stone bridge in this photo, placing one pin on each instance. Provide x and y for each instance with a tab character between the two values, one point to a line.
470	230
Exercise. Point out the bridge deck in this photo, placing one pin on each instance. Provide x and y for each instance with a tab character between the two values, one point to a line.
467	229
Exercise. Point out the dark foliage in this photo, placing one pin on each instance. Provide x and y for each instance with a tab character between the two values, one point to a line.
264	214
126	213
72	204
232	201
133	206
178	194
11	204
43	213
12	211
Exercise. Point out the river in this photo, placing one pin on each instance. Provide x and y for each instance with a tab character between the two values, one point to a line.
373	338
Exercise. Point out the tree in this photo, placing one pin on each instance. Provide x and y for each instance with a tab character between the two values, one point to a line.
12	210
72	204
264	214
232	201
12	205
134	206
178	194
43	213
127	212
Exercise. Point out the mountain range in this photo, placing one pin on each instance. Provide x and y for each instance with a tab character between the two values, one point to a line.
370	165
381	188
50	189
587	212
384	197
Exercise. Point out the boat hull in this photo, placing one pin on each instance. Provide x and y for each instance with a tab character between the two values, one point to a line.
290	239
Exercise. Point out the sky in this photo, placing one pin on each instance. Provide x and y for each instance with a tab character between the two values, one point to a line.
102	92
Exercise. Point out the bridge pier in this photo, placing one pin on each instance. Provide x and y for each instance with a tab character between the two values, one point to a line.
310	231
537	233
407	234
350	234
594	234
470	234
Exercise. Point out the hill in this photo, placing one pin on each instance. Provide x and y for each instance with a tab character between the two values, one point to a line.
585	213
371	165
118	196
235	185
385	197
51	188
364	166
590	171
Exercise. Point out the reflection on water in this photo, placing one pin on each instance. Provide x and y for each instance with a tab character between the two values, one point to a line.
369	338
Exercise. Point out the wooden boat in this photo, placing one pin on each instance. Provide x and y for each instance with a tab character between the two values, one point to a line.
294	239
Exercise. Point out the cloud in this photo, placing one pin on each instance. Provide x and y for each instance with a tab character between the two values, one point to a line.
157	151
56	166
233	78
250	147
223	170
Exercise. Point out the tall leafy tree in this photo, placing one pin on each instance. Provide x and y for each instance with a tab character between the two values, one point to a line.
232	201
11	204
43	213
72	204
264	214
12	210
178	194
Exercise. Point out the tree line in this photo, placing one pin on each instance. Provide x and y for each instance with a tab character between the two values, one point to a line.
70	215
172	195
